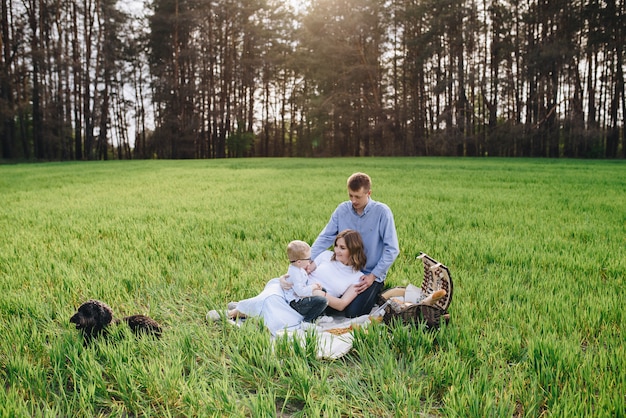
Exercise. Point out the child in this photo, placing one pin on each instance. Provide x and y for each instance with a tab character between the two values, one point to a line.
337	272
300	296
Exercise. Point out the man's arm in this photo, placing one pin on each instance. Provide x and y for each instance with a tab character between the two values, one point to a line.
391	248
326	238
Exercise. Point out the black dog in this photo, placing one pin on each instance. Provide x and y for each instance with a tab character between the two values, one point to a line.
93	318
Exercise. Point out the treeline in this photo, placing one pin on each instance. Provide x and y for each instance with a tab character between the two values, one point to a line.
99	79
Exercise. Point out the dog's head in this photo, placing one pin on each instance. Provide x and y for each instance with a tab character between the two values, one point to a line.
92	317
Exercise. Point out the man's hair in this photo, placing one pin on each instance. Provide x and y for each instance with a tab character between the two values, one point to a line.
298	250
358	181
354	242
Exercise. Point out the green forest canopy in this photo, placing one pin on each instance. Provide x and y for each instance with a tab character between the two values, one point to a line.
228	78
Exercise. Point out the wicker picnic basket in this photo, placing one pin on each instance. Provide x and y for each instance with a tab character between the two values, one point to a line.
436	276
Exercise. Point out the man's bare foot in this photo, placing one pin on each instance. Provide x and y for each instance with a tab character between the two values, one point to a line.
434	297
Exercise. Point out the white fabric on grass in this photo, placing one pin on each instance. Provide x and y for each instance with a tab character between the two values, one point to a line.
271	305
329	346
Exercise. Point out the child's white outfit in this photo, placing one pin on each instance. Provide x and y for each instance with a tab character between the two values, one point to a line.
298	277
300	296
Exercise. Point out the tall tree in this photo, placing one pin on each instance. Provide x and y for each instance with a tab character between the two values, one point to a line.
171	59
7	95
348	103
33	10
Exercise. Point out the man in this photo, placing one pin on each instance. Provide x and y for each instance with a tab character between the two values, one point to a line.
374	221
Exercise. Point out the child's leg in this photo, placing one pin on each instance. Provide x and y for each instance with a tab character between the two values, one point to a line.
310	307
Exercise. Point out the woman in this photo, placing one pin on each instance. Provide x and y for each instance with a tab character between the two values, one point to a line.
338	272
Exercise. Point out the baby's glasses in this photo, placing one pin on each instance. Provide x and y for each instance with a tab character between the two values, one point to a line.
300	259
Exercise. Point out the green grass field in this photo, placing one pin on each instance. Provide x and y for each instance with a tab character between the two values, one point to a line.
536	248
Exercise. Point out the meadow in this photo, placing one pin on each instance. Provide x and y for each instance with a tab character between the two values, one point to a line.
536	249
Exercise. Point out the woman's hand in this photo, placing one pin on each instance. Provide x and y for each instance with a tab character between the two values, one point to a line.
365	283
284	283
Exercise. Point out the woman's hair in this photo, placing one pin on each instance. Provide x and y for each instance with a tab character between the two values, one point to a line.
354	242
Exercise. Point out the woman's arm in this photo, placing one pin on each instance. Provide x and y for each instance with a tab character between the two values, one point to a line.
340	303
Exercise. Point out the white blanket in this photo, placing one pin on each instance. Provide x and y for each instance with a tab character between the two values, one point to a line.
329	346
271	305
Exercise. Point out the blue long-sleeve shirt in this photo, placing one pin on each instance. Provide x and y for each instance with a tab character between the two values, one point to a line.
377	228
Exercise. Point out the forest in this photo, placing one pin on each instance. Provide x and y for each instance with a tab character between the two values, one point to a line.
180	79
